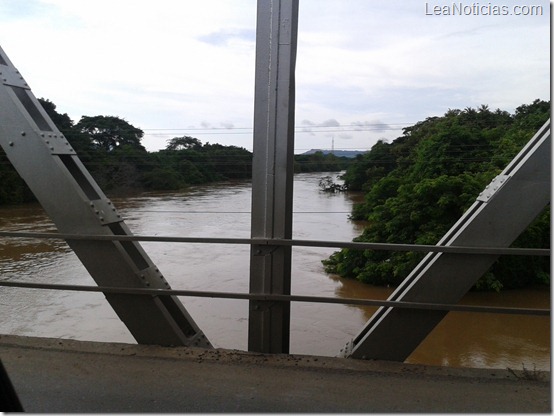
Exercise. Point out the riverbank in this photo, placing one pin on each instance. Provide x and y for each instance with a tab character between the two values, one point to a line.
54	375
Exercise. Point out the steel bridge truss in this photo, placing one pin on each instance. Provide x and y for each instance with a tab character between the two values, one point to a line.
46	161
143	299
499	215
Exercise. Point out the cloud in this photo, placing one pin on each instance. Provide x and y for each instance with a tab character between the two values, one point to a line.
376	125
373	65
306	127
225	36
344	136
311	127
227	125
17	9
329	123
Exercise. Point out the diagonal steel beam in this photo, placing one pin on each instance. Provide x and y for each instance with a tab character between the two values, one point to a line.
70	196
499	215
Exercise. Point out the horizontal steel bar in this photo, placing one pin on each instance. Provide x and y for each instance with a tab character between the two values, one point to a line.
280	298
415	247
291	242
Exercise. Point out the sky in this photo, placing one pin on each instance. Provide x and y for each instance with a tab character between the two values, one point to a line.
365	68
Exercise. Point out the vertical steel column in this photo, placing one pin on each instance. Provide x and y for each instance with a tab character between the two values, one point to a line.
499	215
272	178
70	196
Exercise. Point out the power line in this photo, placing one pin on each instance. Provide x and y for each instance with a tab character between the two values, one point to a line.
228	212
356	126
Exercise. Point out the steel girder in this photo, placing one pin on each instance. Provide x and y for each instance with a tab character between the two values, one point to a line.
499	215
46	161
273	168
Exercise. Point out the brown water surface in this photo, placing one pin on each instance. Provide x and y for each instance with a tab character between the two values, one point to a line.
462	339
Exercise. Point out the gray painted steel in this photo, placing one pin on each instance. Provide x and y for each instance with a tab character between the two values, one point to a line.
280	242
70	196
498	216
292	298
272	182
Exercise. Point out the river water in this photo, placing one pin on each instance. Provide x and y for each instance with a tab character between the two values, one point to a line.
461	340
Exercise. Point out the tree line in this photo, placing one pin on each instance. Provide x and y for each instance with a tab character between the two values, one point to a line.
111	150
416	187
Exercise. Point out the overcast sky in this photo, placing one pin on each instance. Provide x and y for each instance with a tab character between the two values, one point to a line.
365	68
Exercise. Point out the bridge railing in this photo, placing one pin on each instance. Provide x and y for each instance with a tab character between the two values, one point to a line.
280	297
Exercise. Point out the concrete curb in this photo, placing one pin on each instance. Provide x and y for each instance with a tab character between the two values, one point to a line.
224	356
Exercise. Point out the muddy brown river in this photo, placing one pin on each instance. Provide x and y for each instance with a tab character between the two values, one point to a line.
462	339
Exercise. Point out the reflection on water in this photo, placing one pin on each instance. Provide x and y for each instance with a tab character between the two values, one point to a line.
461	339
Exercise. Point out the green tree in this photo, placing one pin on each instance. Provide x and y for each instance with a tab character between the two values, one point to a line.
371	167
417	187
186	161
182	143
109	132
79	141
13	190
62	121
320	162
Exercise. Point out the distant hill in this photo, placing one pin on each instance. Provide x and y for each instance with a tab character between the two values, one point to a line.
338	153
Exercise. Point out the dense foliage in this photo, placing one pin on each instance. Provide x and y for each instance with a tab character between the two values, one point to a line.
12	189
418	186
111	150
320	162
